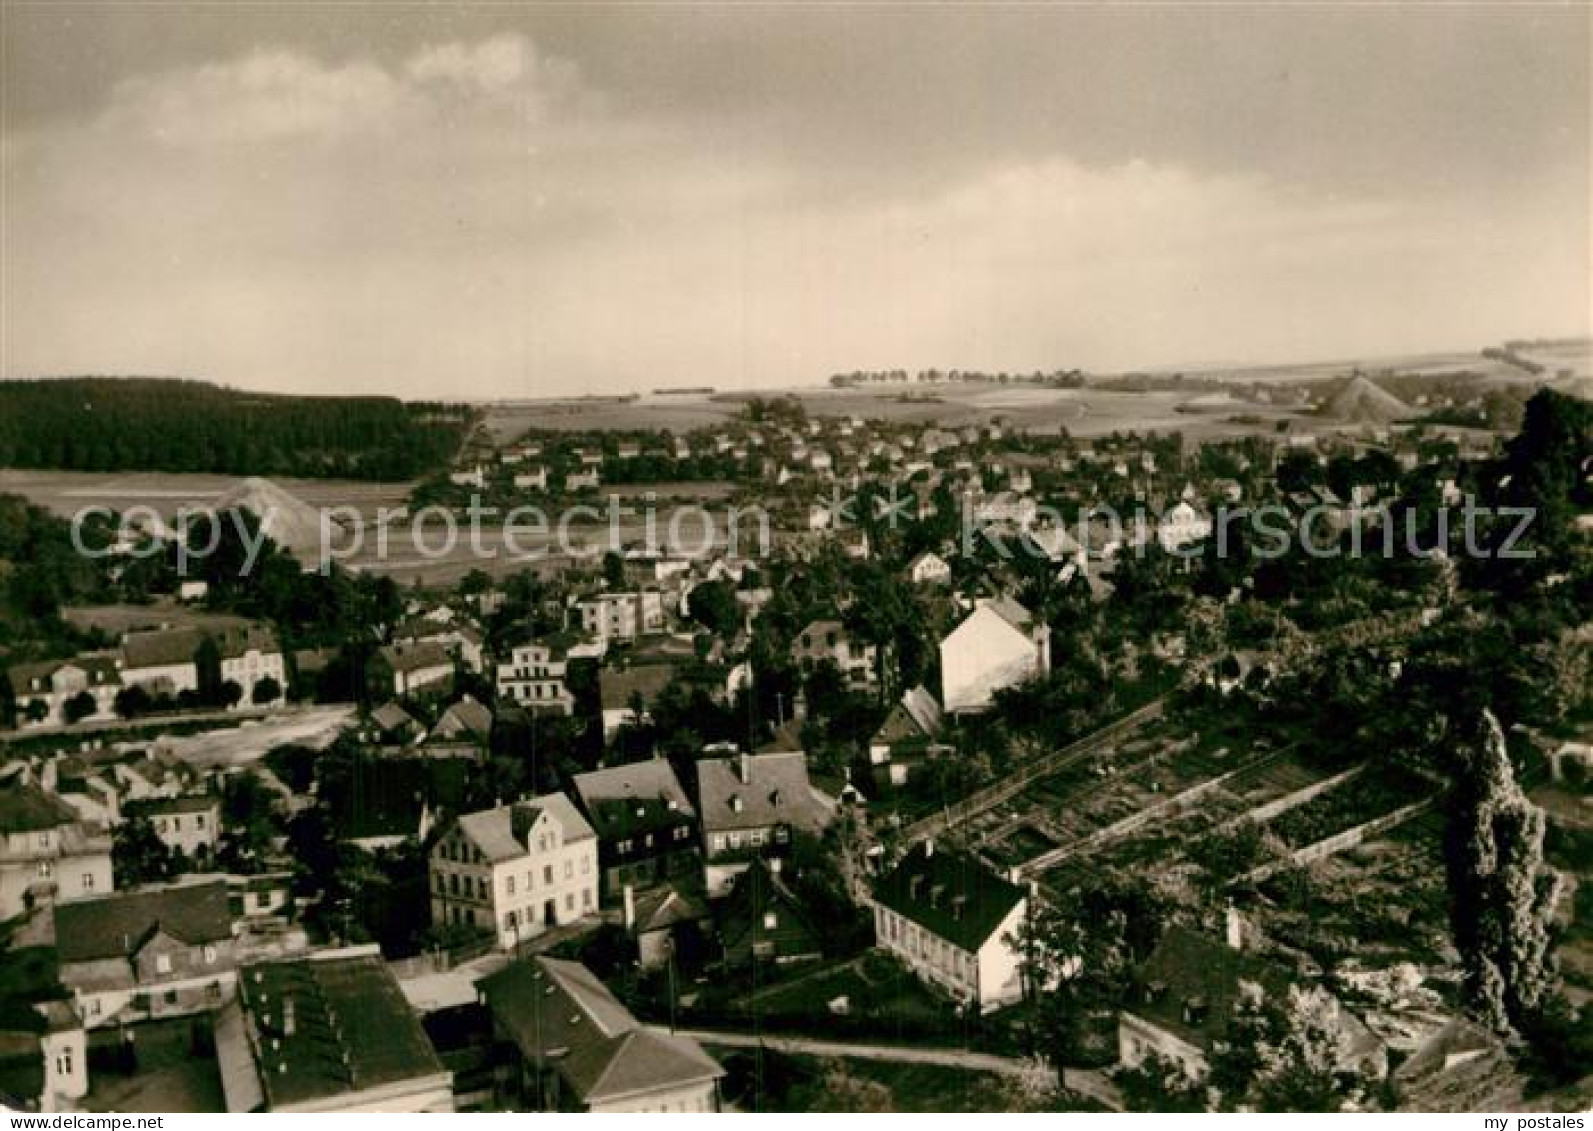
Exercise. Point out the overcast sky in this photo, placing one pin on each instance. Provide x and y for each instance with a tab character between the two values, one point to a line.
504	201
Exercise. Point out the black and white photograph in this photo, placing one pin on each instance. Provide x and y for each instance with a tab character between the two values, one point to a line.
858	557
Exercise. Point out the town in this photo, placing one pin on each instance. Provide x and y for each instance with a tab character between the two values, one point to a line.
950	794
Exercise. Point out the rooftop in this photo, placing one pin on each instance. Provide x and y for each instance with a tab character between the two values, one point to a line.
951	895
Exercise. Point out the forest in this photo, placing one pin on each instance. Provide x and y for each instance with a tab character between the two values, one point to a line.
155	424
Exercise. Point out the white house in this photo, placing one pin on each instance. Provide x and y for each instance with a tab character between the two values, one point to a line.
533	676
42	690
623	616
998	645
954	922
1182	525
928	568
515	870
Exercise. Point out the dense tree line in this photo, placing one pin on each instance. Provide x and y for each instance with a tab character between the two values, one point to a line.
146	424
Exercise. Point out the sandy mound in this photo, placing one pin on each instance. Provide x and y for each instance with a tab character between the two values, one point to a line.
288	521
1361	402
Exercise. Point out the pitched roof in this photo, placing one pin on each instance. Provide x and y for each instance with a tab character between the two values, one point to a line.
775	791
916	715
416	655
558	1011
113	926
466	716
661	907
493	830
352	1028
639	1062
187	803
949	894
160	648
623	799
758	891
1186	967
617	685
391	716
26	808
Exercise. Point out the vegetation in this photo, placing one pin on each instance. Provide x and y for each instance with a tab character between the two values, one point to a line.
148	424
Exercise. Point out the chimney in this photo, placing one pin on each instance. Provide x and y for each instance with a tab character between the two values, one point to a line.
287	1016
745	769
629	897
1234	928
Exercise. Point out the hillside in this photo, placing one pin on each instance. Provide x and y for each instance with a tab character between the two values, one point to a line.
151	424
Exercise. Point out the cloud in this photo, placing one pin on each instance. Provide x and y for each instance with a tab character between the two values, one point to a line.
276	95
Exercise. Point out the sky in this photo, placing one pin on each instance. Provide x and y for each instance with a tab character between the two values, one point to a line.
520	201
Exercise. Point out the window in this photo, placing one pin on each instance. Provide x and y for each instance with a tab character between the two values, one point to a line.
199	820
94	1007
569	901
735	840
547	873
163	964
770	920
624	846
755	837
586	899
63	1063
210	956
716	842
569	869
586	865
508	884
88	881
44	869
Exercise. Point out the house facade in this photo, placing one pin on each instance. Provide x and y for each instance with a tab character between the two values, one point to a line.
46	852
750	805
533	676
829	640
646	827
954	923
190	824
515	870
146	954
42	691
998	645
622	616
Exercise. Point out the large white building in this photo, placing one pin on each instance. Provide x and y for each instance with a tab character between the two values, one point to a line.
954	922
515	870
998	645
623	616
533	676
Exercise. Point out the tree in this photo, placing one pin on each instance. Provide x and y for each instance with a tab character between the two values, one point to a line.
79	707
713	605
231	693
1503	893
133	701
138	855
36	711
1289	1054
1159	1084
266	691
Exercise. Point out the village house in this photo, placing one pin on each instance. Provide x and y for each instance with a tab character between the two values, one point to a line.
250	658
190	824
829	641
1182	525
954	923
581	1050
41	691
162	661
588	479
646	828
515	870
461	639
534	676
998	645
622	616
146	954
928	568
750	805
621	691
47	853
43	1057
906	737
532	479
763	921
327	1032
1185	994
423	665
466	722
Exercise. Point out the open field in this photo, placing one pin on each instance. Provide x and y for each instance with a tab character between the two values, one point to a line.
67	492
114	620
509	419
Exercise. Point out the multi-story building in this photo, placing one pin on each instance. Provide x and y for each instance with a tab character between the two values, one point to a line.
750	805
645	826
42	691
829	641
954	922
622	616
250	658
162	661
157	952
534	675
328	1031
190	824
46	852
515	870
998	645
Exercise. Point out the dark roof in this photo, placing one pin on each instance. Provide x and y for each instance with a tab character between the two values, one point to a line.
759	891
949	894
190	803
639	797
161	648
26	808
617	685
558	1011
113	926
1187	967
352	1028
409	656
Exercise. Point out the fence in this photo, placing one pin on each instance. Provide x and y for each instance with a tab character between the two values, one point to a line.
1028	773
